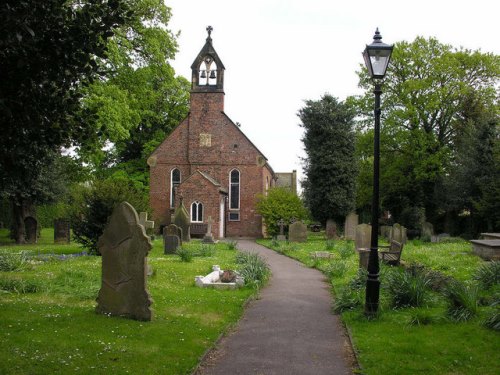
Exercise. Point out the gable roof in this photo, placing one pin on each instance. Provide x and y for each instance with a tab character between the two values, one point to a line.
207	177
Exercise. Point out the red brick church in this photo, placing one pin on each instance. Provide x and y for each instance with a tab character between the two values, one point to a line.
208	162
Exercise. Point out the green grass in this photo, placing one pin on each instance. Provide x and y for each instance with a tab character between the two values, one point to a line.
54	329
420	340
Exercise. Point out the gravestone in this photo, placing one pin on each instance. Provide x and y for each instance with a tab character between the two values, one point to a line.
386	232
351	222
208	237
172	235
182	220
331	230
31	227
297	232
427	230
147	224
281	236
61	231
363	243
399	233
124	247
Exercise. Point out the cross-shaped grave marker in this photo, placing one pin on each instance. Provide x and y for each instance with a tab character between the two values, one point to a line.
143	220
281	224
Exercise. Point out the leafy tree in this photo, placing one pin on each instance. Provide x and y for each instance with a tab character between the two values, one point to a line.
93	204
427	86
48	50
279	203
330	167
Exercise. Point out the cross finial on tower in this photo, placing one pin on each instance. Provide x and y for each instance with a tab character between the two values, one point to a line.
209	30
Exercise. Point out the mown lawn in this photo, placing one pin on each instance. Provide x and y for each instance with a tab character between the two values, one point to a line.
419	340
48	324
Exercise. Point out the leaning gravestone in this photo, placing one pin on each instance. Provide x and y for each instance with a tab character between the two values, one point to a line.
124	246
181	219
172	235
61	231
331	230
363	243
297	232
31	227
351	222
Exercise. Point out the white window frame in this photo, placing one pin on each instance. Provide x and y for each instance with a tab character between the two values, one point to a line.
197	219
172	185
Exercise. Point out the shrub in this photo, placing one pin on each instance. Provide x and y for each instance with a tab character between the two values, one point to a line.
232	245
336	269
347	250
488	274
462	300
253	269
93	205
329	245
492	319
407	288
206	250
185	254
14	261
358	282
347	299
421	318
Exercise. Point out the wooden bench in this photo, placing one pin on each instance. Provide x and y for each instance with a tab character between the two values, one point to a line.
391	256
198	229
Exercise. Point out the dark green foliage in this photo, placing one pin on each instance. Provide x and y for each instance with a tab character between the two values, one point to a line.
92	205
488	274
329	245
336	269
347	299
346	250
206	250
421	318
279	203
330	168
462	301
492	319
232	245
253	269
407	288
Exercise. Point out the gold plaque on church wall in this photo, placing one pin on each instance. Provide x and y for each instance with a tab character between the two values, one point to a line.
205	140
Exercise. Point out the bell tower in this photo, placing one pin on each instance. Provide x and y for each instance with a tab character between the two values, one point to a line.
207	79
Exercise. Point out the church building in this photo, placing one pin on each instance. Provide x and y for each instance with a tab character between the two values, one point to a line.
207	163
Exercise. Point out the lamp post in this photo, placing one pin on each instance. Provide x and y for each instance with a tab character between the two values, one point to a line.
377	56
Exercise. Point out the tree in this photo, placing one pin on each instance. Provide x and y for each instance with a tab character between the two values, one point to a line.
279	203
330	167
426	87
48	50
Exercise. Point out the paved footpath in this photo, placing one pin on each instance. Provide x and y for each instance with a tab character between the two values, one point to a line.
289	330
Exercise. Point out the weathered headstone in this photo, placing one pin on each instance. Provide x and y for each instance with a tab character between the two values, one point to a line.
61	231
386	232
208	237
363	243
297	232
171	239
182	220
31	227
147	224
281	237
399	233
427	230
124	246
331	230
351	222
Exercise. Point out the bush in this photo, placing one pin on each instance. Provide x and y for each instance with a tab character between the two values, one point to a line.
347	250
347	299
358	282
92	206
421	318
462	301
336	269
232	245
407	288
488	274
329	245
206	250
492	319
185	254
13	261
253	269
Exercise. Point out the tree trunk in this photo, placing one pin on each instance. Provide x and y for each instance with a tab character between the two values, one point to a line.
18	231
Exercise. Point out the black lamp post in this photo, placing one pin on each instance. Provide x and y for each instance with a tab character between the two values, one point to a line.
377	56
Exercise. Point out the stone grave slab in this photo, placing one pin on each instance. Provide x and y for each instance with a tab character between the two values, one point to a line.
172	235
62	231
31	227
351	222
331	229
297	232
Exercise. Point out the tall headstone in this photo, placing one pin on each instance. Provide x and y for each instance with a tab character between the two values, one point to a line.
331	229
31	227
386	231
124	246
363	243
61	231
182	220
351	222
399	233
297	232
208	237
427	230
172	235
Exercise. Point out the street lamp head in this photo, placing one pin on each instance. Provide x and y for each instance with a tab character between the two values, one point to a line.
377	56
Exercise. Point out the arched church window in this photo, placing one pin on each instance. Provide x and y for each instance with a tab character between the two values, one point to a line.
234	195
197	212
175	180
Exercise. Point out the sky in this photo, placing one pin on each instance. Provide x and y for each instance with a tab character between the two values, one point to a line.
279	53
